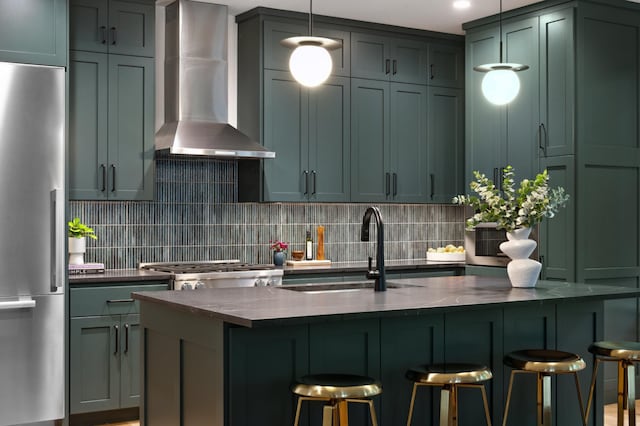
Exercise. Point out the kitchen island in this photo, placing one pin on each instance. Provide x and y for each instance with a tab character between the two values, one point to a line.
228	356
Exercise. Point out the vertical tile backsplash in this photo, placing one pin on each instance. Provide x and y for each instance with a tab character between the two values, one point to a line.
195	216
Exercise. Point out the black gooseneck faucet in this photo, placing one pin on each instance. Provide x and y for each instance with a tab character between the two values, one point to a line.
378	274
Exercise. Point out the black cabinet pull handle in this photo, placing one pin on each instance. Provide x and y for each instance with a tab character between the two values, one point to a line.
114	34
395	184
431	75
495	177
395	67
117	333
543	275
387	184
387	66
113	178
103	34
104	177
542	138
306	182
126	338
120	301
432	177
315	178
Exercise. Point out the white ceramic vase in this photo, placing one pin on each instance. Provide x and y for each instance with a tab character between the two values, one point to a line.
77	248
522	271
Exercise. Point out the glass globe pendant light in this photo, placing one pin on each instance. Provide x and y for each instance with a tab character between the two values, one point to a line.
310	62
501	85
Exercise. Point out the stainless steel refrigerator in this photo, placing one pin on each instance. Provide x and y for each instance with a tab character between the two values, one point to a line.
32	235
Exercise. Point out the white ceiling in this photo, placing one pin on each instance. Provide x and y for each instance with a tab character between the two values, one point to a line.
434	15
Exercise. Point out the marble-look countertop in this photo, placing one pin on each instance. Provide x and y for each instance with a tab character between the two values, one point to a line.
389	265
260	306
118	275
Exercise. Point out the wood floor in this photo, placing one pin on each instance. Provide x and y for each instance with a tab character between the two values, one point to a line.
609	417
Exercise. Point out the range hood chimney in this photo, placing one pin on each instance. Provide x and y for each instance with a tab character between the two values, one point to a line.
195	84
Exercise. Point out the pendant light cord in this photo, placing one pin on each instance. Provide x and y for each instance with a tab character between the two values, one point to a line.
500	17
311	13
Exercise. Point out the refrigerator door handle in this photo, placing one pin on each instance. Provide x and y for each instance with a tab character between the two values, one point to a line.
57	242
21	303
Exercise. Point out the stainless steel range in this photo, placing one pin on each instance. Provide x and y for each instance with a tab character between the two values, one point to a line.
217	274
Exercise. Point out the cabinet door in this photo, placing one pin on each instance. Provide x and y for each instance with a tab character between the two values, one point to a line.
446	66
370	56
94	359
131	128
88	91
520	40
329	140
557	235
408	143
89	25
286	122
445	147
557	83
408	61
483	135
130	378
132	28
370	180
34	32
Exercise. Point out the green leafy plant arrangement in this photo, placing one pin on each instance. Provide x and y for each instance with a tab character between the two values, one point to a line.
78	229
511	208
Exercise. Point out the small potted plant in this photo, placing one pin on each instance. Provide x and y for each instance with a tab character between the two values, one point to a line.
77	244
279	251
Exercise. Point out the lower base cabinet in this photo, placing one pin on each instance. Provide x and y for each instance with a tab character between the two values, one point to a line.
104	343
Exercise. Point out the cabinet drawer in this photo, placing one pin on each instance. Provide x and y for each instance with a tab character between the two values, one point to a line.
107	300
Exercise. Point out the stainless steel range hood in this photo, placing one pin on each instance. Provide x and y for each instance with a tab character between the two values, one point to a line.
196	86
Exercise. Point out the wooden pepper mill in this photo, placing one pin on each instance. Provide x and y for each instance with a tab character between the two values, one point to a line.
320	249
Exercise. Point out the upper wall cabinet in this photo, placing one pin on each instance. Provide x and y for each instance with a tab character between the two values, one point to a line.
446	65
277	56
112	26
391	59
34	32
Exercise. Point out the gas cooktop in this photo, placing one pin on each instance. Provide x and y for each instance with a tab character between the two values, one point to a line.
203	267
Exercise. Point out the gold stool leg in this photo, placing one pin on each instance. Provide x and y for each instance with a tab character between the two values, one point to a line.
445	395
299	405
374	419
328	415
343	413
506	407
453	406
621	392
544	399
579	392
486	404
411	404
631	393
594	375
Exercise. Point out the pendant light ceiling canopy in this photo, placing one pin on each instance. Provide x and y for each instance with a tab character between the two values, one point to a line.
310	62
501	85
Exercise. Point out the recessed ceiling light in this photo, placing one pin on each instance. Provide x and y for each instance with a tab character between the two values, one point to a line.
461	4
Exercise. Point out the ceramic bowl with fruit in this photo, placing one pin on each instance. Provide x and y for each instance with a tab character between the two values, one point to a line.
448	253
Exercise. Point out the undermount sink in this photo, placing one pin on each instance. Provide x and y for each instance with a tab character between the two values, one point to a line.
339	287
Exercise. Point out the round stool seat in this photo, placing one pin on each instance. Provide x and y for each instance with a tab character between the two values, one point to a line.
336	386
544	361
621	350
449	373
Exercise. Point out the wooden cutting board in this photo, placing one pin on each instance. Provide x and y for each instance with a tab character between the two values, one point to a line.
297	263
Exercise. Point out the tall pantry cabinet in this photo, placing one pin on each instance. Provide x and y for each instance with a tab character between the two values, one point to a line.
578	116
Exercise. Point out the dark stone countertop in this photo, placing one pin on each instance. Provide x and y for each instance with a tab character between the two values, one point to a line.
118	275
263	306
391	265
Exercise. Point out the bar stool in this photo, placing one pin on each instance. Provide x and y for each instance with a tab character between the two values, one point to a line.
543	363
450	377
338	390
625	354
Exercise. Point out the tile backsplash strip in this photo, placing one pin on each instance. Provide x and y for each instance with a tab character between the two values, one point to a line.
195	216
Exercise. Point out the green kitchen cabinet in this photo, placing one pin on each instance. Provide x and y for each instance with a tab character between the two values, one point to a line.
446	65
104	346
113	26
445	145
309	130
34	32
388	141
277	56
498	136
388	58
111	127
